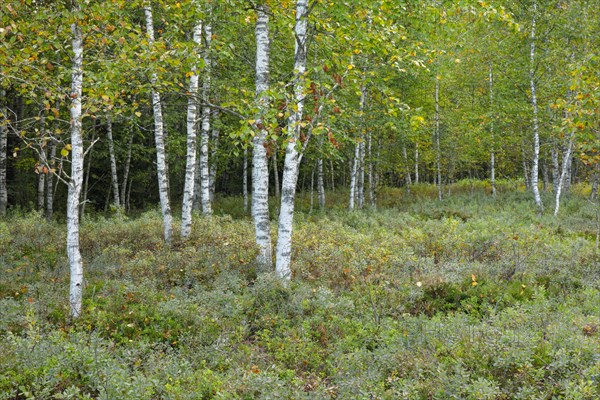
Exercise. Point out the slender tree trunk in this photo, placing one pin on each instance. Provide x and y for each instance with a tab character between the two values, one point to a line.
113	162
569	175
161	159
126	171
332	175
354	176
205	130
276	173
74	191
370	171
407	173
555	169
245	180
417	163
563	174
536	133
212	170
87	176
190	160
3	153
260	166
357	177
492	134
438	152
49	181
290	171
360	198
40	171
595	183
320	184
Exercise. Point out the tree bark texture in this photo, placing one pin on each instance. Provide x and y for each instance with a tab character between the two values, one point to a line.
205	129
536	131
159	138
76	179
3	154
190	160
290	170
260	166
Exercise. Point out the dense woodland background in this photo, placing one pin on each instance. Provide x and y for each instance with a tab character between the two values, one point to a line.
435	162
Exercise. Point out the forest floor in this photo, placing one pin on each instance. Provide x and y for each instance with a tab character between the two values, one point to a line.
468	298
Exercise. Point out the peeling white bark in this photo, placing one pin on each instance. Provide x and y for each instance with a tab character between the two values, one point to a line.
190	162
536	132
3	154
290	170
493	147
205	130
260	166
159	138
438	151
564	171
75	183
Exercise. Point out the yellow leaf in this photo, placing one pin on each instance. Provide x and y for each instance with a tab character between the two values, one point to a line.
473	278
69	147
350	66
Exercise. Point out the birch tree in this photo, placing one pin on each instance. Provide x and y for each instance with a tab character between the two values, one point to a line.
205	129
260	166
113	162
76	178
190	165
536	131
159	138
3	153
290	169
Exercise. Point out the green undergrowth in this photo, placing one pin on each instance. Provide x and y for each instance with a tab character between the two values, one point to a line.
468	298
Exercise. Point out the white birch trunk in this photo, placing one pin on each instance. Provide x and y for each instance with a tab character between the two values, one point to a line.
290	170
245	180
3	154
438	152
417	163
75	183
493	147
113	162
536	132
205	130
260	166
190	161
320	184
564	171
161	162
